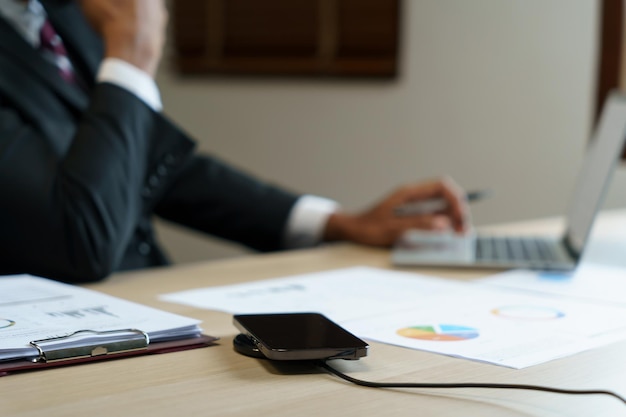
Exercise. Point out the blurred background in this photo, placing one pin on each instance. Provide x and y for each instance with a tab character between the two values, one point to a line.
497	94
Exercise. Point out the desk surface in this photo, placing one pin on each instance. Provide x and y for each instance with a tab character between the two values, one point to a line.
218	381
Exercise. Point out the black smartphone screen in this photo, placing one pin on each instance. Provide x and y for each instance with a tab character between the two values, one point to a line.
300	336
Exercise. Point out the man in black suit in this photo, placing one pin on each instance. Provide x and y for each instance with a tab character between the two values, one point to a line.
87	158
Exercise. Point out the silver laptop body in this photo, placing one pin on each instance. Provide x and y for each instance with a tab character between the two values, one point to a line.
560	253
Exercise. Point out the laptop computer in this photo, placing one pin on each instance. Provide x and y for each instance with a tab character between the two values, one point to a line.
559	253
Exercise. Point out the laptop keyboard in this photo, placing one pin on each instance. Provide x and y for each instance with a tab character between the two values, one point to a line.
492	248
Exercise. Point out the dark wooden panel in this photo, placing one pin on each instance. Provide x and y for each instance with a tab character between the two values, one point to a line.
610	49
367	28
270	28
293	37
189	24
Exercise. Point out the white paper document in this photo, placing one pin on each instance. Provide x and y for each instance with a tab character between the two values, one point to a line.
592	282
463	319
35	309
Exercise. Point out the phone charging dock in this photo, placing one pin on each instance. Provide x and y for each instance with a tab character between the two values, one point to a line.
244	345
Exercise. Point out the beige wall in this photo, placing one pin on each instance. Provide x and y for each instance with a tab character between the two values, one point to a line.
496	93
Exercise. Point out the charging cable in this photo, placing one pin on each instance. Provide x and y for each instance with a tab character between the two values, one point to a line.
327	367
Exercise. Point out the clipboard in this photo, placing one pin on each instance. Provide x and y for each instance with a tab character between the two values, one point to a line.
54	352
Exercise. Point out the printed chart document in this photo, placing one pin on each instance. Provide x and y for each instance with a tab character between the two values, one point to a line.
590	282
61	317
462	319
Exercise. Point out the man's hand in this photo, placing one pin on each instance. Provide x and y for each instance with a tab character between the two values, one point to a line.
133	30
382	226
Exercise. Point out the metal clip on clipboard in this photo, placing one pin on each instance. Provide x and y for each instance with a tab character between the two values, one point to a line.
111	342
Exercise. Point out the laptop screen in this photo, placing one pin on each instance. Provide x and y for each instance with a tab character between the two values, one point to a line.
599	163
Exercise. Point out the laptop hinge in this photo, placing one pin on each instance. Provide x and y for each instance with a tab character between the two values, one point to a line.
569	247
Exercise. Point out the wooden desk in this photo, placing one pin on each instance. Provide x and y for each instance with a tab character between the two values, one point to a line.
216	381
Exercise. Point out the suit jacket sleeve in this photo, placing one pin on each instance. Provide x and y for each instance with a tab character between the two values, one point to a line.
69	213
214	197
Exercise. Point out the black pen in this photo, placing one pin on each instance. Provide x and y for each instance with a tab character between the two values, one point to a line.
436	204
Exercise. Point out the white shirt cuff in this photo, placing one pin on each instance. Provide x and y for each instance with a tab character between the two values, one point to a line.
307	220
131	78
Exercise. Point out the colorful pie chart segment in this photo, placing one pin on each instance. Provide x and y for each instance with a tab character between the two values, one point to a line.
6	323
439	333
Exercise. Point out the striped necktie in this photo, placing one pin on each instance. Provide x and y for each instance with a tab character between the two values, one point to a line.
52	45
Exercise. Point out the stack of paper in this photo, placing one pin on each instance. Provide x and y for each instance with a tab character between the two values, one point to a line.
39	316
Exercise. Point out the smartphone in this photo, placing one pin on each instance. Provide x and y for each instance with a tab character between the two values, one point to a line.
295	336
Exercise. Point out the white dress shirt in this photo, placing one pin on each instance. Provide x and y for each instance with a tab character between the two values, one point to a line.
309	215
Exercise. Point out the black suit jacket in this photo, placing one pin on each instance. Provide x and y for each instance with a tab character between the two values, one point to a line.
83	172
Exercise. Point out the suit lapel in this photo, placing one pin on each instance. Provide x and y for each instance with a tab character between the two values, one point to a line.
37	90
32	61
37	103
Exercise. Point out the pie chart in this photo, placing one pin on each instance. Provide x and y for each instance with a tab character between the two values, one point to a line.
6	323
439	332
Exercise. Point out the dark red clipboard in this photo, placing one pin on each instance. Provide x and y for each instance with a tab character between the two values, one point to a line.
10	367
